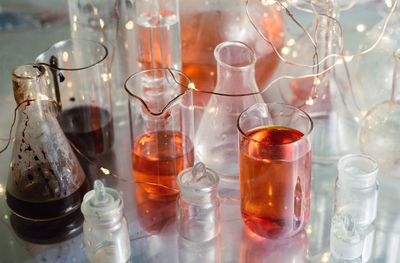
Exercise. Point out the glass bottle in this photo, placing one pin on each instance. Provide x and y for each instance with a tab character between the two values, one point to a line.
205	24
320	96
105	231
158	36
77	68
198	211
356	197
216	135
275	169
378	134
45	183
161	122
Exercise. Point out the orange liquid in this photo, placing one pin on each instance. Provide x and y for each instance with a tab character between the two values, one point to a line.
275	171
203	31
158	157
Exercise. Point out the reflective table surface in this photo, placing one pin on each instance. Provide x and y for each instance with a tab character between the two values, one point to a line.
152	223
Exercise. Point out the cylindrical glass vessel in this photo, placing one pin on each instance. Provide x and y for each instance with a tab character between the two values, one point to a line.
198	211
78	71
216	135
275	169
161	122
357	188
46	183
158	34
105	231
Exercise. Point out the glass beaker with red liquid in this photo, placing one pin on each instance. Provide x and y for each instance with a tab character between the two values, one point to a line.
79	71
275	169
161	118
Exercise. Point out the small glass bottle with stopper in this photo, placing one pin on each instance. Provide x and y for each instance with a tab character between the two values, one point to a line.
198	207
105	230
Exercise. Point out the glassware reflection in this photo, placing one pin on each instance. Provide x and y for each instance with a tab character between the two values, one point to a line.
155	214
199	252
256	249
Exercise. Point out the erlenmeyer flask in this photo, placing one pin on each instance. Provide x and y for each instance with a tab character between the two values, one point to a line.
379	129
46	182
205	24
216	137
161	117
320	96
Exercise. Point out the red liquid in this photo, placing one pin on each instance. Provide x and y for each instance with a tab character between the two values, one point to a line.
275	171
203	31
89	128
158	157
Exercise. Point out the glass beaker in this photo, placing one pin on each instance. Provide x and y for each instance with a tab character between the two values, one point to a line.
216	135
275	169
45	183
161	118
205	24
79	73
158	34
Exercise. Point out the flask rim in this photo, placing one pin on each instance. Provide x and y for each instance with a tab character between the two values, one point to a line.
217	55
40	70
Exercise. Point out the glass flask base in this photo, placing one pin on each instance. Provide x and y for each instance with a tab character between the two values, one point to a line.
48	232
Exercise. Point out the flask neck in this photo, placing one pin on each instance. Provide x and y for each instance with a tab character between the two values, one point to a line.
396	76
30	87
235	68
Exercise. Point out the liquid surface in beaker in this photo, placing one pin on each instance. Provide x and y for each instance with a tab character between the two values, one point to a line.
275	180
158	157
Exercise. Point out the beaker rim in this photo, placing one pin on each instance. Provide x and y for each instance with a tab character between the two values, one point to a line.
188	85
305	114
66	42
225	44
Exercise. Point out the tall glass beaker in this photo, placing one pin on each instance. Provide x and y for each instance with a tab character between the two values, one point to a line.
216	136
275	169
158	34
78	71
161	117
46	183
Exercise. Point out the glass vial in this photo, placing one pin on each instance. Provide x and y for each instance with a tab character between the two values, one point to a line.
105	230
198	207
356	191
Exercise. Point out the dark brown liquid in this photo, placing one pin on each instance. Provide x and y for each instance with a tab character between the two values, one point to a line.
89	128
47	222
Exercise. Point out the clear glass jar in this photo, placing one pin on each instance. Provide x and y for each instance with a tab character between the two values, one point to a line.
198	207
357	188
105	230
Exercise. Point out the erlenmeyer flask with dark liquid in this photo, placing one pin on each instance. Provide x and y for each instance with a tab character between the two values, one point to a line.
46	183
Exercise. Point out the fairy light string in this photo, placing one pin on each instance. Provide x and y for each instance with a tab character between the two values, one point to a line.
340	57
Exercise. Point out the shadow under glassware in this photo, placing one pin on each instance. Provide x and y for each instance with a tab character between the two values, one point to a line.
161	126
46	184
275	169
79	72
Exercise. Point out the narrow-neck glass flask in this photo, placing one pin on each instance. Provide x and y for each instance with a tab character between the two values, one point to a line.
46	182
216	137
